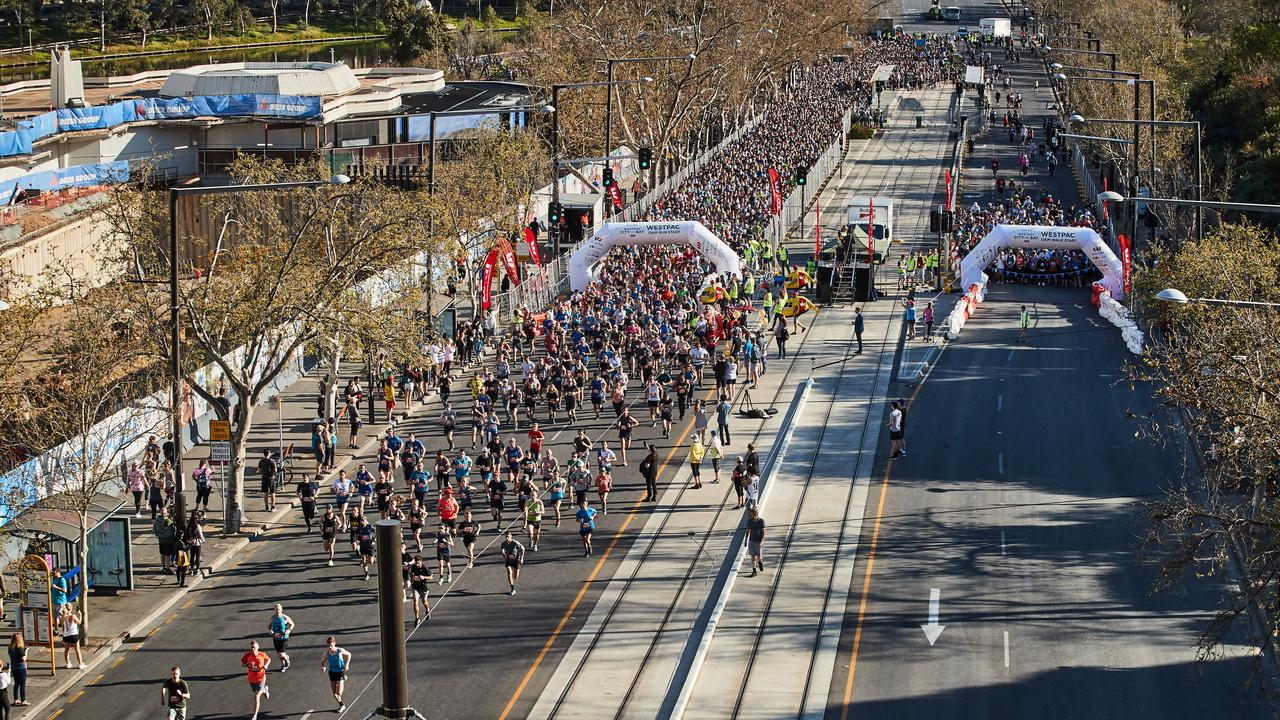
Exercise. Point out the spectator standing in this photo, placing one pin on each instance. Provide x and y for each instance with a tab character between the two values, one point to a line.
18	667
722	418
755	539
859	326
895	429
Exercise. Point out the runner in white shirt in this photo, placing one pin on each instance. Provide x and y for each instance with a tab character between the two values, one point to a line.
653	395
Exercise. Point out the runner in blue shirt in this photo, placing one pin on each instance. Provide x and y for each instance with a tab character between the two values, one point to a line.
281	626
336	662
586	525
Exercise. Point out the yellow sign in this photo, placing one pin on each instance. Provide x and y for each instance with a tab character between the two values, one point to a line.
219	429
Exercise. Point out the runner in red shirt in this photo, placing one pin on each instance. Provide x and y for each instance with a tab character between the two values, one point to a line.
257	663
448	510
535	441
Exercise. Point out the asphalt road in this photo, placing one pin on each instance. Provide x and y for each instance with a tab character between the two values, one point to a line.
1020	502
480	639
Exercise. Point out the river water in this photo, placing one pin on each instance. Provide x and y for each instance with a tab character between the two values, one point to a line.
355	54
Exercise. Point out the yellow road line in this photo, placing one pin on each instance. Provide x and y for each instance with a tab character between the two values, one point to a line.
866	580
568	614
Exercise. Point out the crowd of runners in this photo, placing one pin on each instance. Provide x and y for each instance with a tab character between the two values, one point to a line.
641	345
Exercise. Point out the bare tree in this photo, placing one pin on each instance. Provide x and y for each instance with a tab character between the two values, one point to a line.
1216	369
282	281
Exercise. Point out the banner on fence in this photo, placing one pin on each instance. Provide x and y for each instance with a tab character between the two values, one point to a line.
1125	255
775	191
508	256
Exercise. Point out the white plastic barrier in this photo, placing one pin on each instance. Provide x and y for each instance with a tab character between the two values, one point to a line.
1119	316
976	293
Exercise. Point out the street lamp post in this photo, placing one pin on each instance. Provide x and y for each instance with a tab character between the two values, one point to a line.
1177	297
608	112
1110	196
1195	124
229	524
555	141
1095	53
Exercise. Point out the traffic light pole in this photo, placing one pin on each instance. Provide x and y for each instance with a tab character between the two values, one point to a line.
553	229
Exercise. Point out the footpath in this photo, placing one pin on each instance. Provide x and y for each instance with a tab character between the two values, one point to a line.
114	621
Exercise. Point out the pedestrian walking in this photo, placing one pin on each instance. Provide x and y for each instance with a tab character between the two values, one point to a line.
256	663
337	663
18	668
722	419
174	695
895	429
927	316
696	451
71	639
649	471
755	539
780	335
859	325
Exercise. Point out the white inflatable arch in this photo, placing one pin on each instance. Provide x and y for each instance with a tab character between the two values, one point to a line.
686	232
1043	236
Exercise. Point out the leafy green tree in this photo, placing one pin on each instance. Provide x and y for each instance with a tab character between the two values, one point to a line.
414	31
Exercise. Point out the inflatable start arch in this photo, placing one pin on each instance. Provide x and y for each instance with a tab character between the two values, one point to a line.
686	232
1043	236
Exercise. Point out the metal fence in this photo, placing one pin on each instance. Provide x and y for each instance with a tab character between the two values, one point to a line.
793	207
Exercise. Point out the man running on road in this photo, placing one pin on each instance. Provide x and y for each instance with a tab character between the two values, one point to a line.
336	662
257	663
513	557
586	525
281	626
419	584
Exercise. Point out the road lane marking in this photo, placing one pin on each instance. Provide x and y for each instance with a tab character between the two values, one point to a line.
573	606
75	697
307	714
1006	651
1010	358
866	580
116	662
95	680
56	713
1001	543
999	403
1000	462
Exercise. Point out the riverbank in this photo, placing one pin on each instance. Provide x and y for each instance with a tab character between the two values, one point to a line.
258	35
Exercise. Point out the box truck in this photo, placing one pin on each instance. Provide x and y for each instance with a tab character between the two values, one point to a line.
871	218
995	27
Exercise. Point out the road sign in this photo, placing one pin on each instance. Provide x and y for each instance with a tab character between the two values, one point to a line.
220	451
220	430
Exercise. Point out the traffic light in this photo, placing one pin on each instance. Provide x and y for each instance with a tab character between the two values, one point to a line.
607	180
554	211
935	219
646	158
802	175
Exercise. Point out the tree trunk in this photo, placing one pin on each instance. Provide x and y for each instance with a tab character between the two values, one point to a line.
275	20
306	14
234	504
331	383
102	25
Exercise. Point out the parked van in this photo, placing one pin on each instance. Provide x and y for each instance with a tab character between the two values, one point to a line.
951	14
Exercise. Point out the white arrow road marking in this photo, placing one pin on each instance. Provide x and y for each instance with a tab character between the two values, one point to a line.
933	629
1006	648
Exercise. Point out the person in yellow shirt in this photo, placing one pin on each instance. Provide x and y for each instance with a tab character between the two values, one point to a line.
768	304
696	452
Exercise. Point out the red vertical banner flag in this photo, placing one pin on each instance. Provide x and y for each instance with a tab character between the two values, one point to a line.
871	233
1125	258
508	256
486	278
532	240
947	176
1104	205
817	230
775	191
616	195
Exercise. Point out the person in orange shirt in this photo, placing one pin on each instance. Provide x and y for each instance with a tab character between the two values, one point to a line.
257	663
448	509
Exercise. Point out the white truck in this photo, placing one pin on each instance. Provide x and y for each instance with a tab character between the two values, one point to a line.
995	27
871	217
